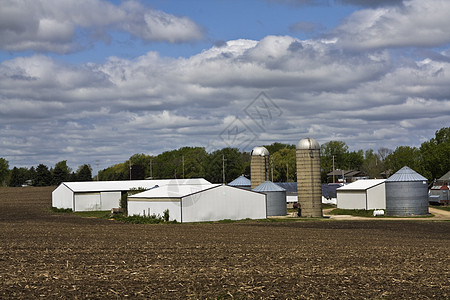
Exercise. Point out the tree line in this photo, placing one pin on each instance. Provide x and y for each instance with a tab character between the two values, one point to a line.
431	159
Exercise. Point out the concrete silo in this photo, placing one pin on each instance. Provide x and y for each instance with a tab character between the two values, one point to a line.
276	198
308	178
406	193
259	166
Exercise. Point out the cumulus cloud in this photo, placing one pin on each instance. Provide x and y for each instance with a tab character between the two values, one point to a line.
152	103
54	26
416	23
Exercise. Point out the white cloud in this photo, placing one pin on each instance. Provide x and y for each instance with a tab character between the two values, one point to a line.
51	25
416	23
151	104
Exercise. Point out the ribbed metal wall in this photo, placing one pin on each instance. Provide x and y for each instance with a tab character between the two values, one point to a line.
308	178
405	198
276	203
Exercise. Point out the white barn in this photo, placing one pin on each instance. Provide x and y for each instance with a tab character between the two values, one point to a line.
105	195
199	203
362	194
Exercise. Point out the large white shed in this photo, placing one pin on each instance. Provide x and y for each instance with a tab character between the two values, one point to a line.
362	194
199	203
105	195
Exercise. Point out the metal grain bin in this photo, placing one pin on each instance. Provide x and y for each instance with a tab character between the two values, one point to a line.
276	198
406	193
241	182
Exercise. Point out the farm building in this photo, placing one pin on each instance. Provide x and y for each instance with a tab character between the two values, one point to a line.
362	194
199	203
105	195
439	192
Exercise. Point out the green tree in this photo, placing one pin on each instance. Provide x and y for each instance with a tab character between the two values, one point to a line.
354	160
84	173
231	159
435	158
275	147
403	156
4	171
284	165
18	176
61	172
43	176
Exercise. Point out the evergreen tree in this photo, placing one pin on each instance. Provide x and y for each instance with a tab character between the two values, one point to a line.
43	176
4	171
60	173
84	173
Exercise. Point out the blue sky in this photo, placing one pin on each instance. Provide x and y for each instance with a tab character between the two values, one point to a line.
97	81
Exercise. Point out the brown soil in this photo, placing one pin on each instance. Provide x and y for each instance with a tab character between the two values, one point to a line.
44	254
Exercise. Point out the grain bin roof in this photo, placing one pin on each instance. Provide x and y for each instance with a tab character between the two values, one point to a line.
361	185
103	186
308	144
406	174
241	181
260	151
268	186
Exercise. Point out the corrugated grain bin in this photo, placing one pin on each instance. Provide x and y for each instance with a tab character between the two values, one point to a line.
276	198
406	193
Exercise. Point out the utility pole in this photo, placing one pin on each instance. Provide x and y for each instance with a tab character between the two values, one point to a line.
271	166
223	168
333	170
151	170
182	159
130	169
287	172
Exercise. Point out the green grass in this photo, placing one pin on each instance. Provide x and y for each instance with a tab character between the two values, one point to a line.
142	219
94	214
352	212
60	210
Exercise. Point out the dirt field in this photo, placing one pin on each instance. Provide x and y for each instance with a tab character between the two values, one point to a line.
43	254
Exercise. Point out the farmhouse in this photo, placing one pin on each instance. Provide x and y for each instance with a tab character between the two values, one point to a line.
199	203
362	194
105	195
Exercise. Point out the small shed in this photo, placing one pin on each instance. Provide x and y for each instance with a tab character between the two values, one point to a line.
199	203
362	194
241	182
105	195
276	198
406	193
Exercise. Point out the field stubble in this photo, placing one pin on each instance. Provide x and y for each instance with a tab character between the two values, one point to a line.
45	254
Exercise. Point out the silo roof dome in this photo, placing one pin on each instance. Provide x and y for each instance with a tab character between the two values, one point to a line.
308	144
260	151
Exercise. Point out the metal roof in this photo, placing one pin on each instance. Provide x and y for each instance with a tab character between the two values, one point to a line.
361	185
446	177
260	151
308	144
125	185
268	186
174	191
241	181
406	174
290	187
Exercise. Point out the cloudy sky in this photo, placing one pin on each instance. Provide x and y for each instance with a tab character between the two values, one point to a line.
95	81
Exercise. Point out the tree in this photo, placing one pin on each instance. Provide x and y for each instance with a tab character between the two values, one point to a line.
4	170
43	176
84	173
435	158
61	172
403	156
18	176
336	149
233	161
284	165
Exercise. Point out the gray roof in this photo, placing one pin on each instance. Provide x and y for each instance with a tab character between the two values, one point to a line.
260	151
241	181
308	144
268	186
446	177
406	174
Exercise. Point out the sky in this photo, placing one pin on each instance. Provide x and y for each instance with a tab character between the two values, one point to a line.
96	81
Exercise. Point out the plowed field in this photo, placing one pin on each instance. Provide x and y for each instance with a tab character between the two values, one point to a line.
45	254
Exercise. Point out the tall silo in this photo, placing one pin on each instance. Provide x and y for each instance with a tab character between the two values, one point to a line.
276	198
406	193
259	166
309	187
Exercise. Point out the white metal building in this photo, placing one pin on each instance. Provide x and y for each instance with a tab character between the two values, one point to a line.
105	195
362	194
199	203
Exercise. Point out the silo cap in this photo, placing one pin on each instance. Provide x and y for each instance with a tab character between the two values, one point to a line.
260	151
308	144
